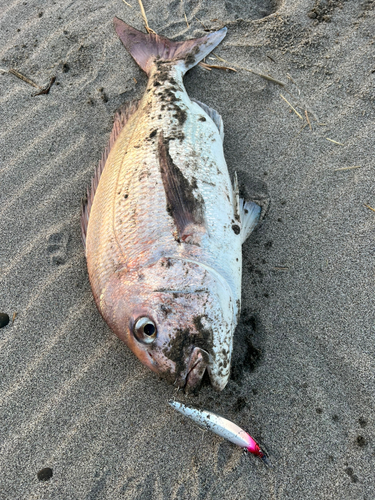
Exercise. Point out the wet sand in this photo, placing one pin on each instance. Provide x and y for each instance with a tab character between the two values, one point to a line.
73	398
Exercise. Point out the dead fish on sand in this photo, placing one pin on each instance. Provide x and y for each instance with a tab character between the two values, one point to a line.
222	427
163	226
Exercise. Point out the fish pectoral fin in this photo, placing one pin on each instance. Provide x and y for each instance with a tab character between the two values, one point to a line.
249	215
214	115
247	212
121	118
183	203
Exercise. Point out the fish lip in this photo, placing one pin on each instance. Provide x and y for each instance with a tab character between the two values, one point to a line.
199	360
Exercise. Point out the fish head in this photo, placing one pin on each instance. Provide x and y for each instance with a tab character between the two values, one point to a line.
176	319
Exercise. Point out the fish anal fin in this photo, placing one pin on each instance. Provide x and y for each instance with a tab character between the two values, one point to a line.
121	118
214	115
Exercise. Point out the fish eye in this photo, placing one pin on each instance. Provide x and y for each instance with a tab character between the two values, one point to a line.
145	330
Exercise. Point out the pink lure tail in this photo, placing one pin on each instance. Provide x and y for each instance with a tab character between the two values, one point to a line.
148	48
256	450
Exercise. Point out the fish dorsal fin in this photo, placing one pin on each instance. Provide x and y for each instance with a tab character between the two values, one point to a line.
121	118
214	115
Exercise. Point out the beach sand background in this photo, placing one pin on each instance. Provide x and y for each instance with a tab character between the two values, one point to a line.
73	398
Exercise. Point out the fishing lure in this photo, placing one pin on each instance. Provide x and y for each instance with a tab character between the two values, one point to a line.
222	427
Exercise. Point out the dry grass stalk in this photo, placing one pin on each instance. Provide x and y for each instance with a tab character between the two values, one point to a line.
266	77
183	7
24	78
215	66
335	142
148	29
347	168
291	79
296	112
204	27
368	206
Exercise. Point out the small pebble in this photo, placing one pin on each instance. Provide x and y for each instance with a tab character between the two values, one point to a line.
4	319
45	474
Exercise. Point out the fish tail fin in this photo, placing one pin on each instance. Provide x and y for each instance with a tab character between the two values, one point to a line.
147	48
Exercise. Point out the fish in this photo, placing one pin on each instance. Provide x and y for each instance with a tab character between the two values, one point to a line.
163	224
222	427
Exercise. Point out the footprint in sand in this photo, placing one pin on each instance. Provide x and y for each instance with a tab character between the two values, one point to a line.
57	248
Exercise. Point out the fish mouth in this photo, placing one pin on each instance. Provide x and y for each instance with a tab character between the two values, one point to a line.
198	363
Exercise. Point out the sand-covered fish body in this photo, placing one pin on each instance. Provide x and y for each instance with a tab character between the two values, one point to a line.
163	226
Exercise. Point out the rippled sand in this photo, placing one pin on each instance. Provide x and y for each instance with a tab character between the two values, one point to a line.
72	397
